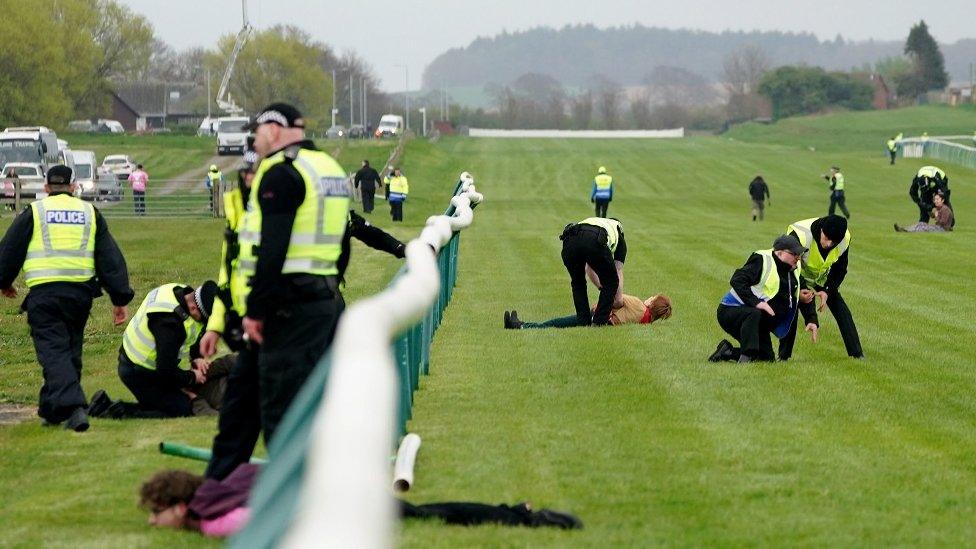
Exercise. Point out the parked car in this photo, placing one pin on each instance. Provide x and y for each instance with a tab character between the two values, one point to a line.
105	125
107	187
30	176
81	126
336	132
357	131
119	165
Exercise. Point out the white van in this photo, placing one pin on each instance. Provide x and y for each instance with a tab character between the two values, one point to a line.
390	125
85	165
231	138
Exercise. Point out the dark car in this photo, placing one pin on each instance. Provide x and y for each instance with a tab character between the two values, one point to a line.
357	131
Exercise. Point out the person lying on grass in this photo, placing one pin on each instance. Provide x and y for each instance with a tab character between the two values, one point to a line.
632	310
182	500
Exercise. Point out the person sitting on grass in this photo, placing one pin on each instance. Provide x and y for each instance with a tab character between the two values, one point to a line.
182	500
631	311
941	212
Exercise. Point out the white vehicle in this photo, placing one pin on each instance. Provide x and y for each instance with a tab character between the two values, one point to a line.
390	125
120	165
30	175
85	165
231	138
105	125
33	145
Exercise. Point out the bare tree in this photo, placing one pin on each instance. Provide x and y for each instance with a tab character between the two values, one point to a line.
609	97
583	110
743	69
640	110
675	85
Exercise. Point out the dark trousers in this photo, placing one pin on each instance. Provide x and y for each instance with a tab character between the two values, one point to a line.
893	154
601	207
240	417
57	318
468	514
845	323
749	328
924	211
560	322
294	340
587	245
368	192
396	211
837	199
139	200
155	398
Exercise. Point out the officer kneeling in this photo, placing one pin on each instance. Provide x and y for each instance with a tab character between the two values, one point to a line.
766	293
164	331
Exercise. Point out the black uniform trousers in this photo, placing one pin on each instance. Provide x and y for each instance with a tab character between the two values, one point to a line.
837	199
749	327
396	211
57	316
601	207
368	190
267	378
587	245
845	323
155	398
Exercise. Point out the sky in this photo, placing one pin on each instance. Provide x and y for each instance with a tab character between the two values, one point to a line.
398	38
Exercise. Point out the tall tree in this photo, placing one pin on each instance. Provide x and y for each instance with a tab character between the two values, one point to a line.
927	61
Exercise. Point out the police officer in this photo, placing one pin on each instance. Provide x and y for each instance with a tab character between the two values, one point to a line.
397	190
599	243
293	279
892	146
67	254
164	331
215	180
836	181
824	268
927	182
764	299
602	192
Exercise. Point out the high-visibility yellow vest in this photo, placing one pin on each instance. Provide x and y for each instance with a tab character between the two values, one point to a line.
320	222
138	342
234	210
768	285
814	267
62	246
838	181
603	184
930	172
216	177
611	226
892	145
399	184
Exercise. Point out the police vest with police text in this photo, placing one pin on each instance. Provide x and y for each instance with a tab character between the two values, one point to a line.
320	221
767	288
234	211
138	341
604	185
814	267
62	246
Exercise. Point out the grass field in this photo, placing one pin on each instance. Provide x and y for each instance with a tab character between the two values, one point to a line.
628	427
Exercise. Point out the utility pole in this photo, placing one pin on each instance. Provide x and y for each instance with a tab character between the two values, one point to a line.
352	113
362	101
209	97
365	109
423	111
334	109
406	93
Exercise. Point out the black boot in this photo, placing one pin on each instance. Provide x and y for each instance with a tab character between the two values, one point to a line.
100	402
721	352
78	421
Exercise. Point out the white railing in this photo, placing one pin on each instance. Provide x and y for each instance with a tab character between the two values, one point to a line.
345	499
579	134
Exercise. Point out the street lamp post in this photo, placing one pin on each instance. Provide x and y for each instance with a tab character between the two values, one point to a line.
423	111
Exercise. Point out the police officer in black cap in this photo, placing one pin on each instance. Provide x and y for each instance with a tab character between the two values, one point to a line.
293	246
67	254
164	331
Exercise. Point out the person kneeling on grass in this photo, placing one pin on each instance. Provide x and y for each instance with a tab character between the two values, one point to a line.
631	311
164	331
182	500
941	212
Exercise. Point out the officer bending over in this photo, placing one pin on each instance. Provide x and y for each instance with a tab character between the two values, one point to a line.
67	253
599	243
164	331
928	181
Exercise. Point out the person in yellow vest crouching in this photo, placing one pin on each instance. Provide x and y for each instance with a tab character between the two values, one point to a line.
397	190
824	269
164	332
766	294
68	255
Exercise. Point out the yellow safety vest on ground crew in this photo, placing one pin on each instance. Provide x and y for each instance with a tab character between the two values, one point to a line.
838	181
234	210
611	226
62	247
814	268
320	222
399	184
768	285
216	178
892	145
603	184
930	172
139	343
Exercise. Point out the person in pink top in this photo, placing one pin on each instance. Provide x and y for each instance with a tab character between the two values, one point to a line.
139	179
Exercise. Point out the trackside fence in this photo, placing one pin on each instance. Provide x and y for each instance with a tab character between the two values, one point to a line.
329	475
940	148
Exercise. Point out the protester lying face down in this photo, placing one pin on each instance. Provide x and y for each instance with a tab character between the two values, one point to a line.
181	500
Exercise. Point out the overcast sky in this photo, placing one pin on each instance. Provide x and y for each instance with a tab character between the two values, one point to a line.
388	33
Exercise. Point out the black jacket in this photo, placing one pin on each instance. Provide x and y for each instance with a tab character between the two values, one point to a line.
749	275
367	176
758	189
923	189
838	271
111	272
374	237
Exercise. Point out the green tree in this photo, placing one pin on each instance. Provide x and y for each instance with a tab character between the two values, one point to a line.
796	90
928	65
279	64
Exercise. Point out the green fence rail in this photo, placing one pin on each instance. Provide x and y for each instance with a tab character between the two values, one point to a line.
276	496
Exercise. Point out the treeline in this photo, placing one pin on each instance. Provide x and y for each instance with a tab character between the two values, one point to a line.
625	54
61	59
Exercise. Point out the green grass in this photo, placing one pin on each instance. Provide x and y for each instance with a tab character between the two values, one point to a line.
628	427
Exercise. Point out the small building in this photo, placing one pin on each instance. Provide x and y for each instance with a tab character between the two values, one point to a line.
883	98
152	105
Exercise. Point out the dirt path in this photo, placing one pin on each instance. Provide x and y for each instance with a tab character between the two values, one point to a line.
12	414
181	181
